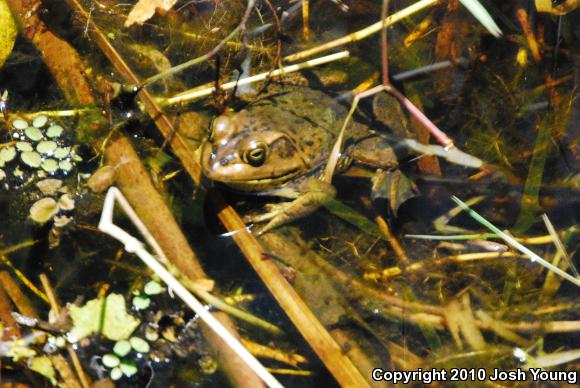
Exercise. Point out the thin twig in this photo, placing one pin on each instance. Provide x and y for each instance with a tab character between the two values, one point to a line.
365	32
20	275
176	69
193	94
559	244
384	43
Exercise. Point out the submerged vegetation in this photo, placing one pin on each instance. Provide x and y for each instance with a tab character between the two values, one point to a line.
323	192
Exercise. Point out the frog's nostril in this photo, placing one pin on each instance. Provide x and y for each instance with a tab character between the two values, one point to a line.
224	161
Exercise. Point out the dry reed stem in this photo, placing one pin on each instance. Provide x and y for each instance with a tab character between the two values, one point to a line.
11	329
64	370
306	20
397	247
264	351
419	266
204	90
85	381
533	45
365	32
20	275
20	300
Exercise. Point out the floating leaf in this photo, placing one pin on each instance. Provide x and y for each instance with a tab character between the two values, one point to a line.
106	316
8	31
393	186
43	210
145	9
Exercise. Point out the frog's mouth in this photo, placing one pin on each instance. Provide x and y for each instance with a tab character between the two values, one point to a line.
254	185
241	176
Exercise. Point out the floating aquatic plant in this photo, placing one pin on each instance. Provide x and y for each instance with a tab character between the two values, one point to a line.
106	316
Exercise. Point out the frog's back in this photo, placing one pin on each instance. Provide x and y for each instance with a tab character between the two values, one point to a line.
310	117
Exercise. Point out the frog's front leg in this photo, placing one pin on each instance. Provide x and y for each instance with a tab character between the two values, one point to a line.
314	193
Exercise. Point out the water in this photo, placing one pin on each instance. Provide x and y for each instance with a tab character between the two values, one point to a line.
387	304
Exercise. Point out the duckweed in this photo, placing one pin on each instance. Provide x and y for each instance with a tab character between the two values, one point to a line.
31	158
43	210
65	165
61	152
19	124
54	131
66	202
139	345
24	146
111	361
153	288
7	153
18	173
46	147
116	374
129	368
50	165
49	186
40	121
122	348
33	133
141	302
60	221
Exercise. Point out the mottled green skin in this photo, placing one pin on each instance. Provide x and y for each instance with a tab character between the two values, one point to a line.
300	126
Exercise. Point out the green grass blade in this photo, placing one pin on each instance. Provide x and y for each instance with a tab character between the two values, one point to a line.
508	239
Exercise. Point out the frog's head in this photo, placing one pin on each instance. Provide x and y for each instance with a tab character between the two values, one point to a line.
247	153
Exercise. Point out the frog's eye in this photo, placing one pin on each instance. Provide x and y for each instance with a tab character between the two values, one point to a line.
255	153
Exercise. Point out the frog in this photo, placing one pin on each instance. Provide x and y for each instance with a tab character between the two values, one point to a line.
280	145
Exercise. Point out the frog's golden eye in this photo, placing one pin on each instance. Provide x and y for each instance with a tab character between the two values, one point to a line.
255	153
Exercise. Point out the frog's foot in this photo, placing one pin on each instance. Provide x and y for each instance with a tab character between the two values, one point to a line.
305	204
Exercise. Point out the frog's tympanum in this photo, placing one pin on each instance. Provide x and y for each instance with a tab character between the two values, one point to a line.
280	145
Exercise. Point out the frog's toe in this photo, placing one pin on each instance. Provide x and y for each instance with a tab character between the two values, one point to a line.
271	211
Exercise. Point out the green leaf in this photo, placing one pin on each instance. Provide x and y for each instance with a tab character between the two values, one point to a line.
353	217
530	202
105	316
8	31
